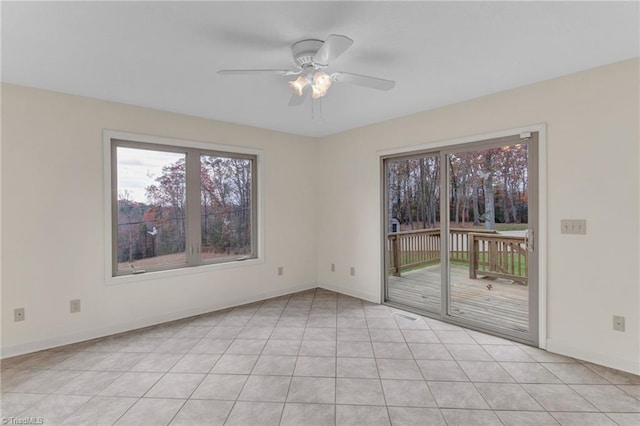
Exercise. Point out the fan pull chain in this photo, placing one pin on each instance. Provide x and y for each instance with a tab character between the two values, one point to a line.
316	104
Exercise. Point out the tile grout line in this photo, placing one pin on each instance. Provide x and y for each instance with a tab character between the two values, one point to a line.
470	381
170	336
286	397
384	395
254	365
120	348
420	369
161	377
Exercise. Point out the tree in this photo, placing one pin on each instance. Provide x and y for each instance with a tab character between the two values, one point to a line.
131	238
226	204
487	186
167	200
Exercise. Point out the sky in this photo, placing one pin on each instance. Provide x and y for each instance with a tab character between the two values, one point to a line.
138	168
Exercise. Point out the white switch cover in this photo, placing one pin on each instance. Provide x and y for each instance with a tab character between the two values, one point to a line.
573	226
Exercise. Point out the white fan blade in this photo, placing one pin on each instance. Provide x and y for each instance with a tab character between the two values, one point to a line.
364	80
333	46
252	72
296	100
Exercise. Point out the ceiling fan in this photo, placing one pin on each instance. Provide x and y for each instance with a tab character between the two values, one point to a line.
311	57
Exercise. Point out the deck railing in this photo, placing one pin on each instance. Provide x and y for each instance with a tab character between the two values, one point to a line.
411	249
486	252
499	256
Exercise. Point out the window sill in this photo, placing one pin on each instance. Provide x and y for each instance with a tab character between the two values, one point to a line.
180	272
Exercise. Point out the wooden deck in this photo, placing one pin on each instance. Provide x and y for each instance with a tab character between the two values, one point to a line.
505	305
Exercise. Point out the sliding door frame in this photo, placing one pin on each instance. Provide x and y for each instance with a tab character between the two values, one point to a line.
536	146
435	153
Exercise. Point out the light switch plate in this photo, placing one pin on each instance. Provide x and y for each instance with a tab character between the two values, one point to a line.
573	226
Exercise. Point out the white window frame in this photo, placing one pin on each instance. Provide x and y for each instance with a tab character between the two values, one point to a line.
111	138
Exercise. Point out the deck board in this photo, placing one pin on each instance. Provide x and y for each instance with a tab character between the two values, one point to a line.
505	305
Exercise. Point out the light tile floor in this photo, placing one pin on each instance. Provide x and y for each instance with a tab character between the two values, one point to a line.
313	358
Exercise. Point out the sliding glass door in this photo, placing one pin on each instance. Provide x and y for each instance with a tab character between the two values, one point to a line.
460	228
413	234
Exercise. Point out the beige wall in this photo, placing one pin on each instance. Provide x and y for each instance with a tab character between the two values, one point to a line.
321	207
592	121
53	220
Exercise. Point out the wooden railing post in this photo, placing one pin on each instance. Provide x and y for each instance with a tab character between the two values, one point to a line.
473	254
395	255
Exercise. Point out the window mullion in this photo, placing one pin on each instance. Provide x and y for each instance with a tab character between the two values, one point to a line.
193	207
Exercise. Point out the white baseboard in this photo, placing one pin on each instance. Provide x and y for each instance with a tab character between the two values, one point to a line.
81	336
601	358
370	297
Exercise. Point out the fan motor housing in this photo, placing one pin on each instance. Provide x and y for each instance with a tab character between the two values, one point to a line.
304	51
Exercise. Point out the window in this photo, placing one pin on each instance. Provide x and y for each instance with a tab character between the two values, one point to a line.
175	206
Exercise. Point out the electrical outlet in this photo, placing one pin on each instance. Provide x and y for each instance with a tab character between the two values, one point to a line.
618	323
18	314
280	270
573	226
333	267
74	306
353	271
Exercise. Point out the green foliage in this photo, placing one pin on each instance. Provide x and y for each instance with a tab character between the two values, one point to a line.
457	259
509	227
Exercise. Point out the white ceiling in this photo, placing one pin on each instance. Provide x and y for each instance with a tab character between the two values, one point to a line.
165	55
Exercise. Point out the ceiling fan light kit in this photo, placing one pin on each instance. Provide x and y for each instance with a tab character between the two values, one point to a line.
311	57
319	82
298	85
320	85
